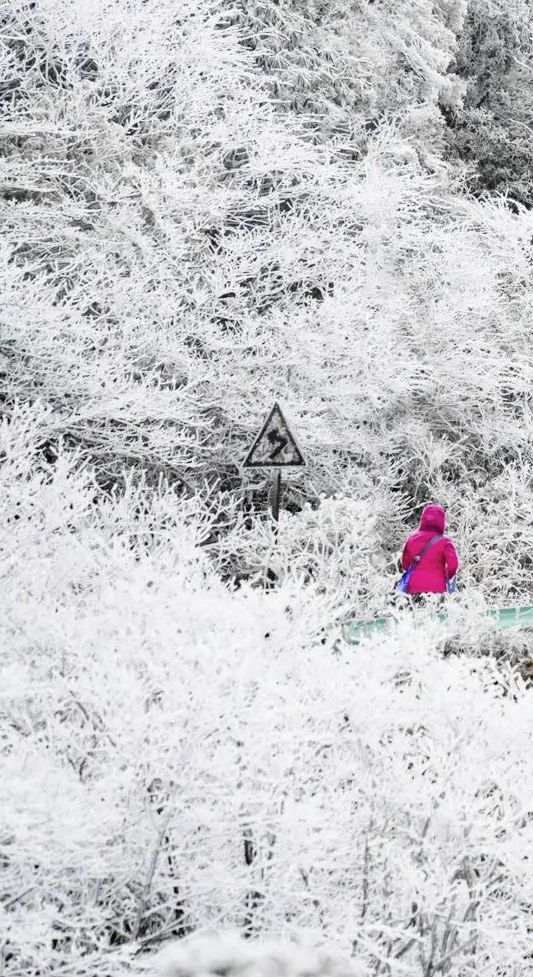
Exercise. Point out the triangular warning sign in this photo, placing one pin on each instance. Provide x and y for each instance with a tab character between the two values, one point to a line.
274	446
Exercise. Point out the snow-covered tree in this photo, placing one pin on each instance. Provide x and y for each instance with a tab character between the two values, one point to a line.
177	755
207	208
163	237
490	129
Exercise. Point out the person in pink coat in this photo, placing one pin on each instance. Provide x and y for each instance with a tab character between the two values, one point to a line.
439	563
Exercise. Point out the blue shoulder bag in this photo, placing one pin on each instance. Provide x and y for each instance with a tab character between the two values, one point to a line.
402	586
450	585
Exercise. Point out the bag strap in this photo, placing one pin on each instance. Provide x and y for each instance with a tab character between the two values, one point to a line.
423	551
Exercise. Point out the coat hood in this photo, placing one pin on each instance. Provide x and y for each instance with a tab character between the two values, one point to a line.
433	518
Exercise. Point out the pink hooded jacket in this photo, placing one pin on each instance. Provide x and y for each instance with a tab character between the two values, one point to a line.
439	563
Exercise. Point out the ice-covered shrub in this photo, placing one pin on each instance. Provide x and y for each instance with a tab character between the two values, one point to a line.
182	749
210	954
183	243
178	754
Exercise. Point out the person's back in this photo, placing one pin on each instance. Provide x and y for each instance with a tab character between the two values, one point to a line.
439	563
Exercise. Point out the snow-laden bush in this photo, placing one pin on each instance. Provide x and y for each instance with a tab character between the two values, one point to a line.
184	242
179	755
213	953
181	247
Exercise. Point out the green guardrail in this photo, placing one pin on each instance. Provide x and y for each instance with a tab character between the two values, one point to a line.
497	620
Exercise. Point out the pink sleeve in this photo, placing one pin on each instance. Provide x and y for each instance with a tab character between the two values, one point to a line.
451	559
407	559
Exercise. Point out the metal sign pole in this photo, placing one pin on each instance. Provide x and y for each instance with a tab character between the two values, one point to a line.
276	500
274	447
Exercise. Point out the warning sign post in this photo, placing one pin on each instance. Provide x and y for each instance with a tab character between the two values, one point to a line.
275	447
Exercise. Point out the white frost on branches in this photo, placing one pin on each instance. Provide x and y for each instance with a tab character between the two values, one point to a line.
179	755
205	208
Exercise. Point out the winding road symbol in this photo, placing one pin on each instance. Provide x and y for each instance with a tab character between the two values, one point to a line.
274	446
282	442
